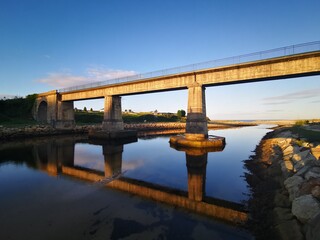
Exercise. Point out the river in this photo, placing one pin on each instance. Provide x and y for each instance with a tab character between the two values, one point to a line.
54	187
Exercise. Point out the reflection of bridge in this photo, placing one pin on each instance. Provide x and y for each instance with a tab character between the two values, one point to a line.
57	158
294	61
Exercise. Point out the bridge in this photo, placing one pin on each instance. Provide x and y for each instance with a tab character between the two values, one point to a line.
56	107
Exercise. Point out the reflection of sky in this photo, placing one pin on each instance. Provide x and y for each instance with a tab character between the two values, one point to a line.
153	161
89	156
166	166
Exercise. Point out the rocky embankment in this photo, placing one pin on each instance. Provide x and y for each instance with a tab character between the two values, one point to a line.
7	133
285	181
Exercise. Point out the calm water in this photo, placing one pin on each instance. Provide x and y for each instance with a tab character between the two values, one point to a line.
49	188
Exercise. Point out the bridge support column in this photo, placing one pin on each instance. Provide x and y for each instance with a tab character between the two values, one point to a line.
112	125
196	127
112	120
65	116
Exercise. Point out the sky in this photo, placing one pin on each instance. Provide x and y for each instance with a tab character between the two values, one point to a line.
53	44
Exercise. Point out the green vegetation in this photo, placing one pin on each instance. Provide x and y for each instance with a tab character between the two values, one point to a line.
181	113
17	111
84	117
310	136
147	117
93	117
301	122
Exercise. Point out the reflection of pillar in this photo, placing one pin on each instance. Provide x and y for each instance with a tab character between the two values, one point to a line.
52	154
112	159
65	115
196	127
196	165
65	152
112	120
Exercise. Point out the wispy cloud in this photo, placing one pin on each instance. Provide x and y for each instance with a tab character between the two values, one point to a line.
290	97
7	96
274	110
101	74
61	80
315	101
65	78
276	103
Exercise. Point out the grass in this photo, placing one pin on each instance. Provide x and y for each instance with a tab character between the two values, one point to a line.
97	117
310	136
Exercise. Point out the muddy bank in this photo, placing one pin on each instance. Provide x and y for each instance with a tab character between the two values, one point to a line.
284	177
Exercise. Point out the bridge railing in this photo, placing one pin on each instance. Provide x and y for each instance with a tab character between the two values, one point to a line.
273	53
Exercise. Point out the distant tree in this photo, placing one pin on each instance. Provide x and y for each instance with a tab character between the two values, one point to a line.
85	109
181	113
91	110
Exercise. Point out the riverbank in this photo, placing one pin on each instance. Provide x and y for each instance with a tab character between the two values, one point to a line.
145	129
284	177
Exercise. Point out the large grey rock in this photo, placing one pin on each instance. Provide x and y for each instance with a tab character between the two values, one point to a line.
305	208
289	230
298	166
285	134
286	168
316	192
313	228
281	200
300	156
293	184
313	173
310	160
282	214
288	153
316	152
303	171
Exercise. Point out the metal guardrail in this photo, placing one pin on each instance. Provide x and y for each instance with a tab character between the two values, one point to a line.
273	53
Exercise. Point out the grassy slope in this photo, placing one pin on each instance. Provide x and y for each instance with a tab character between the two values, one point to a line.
97	117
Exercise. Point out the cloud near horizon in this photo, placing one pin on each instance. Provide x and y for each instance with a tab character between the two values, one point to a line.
7	96
65	79
287	98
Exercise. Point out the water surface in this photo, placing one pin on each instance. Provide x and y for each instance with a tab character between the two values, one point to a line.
39	201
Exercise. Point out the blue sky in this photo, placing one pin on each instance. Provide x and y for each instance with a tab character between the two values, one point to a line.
46	45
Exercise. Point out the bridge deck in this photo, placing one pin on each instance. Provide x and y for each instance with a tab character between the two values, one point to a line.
305	64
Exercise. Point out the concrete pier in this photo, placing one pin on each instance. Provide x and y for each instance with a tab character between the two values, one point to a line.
112	118
112	125
196	135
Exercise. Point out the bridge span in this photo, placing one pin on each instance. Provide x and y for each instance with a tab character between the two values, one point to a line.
56	107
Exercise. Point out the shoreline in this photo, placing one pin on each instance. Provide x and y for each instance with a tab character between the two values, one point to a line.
144	129
284	178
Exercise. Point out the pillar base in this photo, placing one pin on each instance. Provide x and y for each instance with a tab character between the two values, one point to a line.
112	135
112	125
196	141
64	124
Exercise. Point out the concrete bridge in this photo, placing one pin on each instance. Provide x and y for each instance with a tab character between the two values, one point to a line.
56	107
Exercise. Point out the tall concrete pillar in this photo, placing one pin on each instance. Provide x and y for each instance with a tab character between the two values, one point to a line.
65	115
197	166
112	159
196	126
112	120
